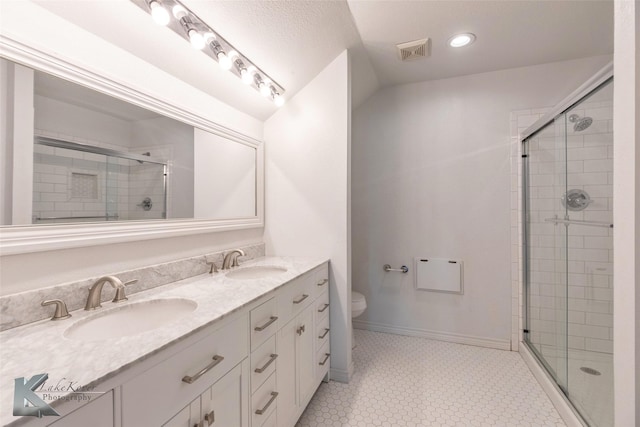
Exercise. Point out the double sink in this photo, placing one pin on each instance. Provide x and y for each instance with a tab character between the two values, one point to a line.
135	318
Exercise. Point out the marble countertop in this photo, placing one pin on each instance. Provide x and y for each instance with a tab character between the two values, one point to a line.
41	347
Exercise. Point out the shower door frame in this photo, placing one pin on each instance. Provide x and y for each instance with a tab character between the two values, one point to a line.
597	81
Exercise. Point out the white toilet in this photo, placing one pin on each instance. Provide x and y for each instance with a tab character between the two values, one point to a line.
358	306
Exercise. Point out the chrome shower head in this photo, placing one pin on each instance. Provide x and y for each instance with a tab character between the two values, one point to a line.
580	124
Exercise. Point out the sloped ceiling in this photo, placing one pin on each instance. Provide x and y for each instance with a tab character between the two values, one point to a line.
294	40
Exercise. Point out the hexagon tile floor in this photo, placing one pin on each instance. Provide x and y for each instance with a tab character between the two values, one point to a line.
415	382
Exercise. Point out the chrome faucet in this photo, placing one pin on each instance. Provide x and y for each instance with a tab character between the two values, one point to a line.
95	292
231	259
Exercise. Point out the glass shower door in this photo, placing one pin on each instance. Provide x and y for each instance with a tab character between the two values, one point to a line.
546	249
568	251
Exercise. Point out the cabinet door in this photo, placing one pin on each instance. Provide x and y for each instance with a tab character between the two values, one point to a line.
187	417
286	373
222	404
98	413
305	355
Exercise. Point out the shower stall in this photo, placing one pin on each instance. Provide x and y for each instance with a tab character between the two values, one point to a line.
568	247
76	182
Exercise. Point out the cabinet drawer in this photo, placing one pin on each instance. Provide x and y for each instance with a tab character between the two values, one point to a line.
264	322
295	297
271	421
321	306
322	333
323	360
264	402
98	413
263	363
157	394
321	279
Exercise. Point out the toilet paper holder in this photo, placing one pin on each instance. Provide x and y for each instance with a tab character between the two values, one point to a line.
403	269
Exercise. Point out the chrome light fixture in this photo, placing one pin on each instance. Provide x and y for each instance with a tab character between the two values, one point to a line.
181	20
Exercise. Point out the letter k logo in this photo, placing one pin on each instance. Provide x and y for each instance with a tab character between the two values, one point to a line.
24	394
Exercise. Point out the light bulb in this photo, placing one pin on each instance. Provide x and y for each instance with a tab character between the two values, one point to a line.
265	90
278	100
247	75
179	12
159	13
461	40
224	61
196	39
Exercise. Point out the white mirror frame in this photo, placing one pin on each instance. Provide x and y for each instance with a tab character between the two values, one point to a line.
17	239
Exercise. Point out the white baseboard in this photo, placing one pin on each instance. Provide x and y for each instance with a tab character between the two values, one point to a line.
341	375
434	335
558	399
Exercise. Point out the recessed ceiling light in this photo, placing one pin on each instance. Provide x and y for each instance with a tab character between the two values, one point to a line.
460	40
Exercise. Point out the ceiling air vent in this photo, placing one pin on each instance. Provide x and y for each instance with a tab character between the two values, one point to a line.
413	50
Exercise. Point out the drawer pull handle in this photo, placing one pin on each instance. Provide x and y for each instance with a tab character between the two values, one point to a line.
200	424
191	379
326	331
323	282
300	330
274	394
324	307
326	357
298	301
210	417
266	365
266	325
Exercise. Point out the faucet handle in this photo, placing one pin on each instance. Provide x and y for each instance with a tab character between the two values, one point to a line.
61	309
214	267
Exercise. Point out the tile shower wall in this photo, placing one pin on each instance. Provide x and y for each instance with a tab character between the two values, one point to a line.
590	263
70	183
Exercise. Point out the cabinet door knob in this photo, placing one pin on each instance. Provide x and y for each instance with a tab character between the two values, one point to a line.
300	330
209	418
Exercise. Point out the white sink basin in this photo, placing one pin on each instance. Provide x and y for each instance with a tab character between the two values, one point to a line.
257	272
130	319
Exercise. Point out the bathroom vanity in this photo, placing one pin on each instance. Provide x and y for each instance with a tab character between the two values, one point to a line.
249	348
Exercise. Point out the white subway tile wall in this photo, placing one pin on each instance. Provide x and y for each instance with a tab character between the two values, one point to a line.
120	184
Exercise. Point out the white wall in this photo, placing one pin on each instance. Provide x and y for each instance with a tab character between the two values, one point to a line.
431	178
16	143
307	145
626	208
56	36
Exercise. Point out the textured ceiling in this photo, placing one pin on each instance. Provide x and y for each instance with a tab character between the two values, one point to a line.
294	40
509	34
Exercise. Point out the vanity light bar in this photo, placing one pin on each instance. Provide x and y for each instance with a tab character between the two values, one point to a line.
182	21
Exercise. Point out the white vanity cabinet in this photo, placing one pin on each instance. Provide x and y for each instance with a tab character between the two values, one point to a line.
178	386
256	367
98	413
297	374
223	404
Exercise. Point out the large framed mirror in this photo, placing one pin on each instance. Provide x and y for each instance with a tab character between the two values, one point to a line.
84	167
